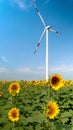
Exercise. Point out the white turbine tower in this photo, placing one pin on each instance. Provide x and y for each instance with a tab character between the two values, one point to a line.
46	29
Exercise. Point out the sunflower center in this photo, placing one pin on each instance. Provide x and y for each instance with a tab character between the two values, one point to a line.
55	80
14	114
14	87
50	111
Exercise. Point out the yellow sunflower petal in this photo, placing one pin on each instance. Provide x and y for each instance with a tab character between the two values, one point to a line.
52	110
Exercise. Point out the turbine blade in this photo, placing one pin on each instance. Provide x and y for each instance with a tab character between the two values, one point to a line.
39	41
54	31
42	20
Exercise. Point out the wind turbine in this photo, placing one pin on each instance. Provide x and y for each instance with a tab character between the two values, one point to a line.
46	30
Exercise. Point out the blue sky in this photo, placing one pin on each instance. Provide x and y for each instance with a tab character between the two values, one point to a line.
20	30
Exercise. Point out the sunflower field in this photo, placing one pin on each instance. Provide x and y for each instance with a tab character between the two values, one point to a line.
37	105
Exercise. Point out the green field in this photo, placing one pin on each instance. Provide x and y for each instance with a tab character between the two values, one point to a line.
31	102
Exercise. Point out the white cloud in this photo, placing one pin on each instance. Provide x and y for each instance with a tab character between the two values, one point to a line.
41	69
20	3
23	4
4	59
29	70
62	68
28	73
23	70
36	73
2	69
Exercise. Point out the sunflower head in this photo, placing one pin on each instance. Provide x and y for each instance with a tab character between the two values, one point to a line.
68	82
56	81
14	88
52	110
34	82
13	114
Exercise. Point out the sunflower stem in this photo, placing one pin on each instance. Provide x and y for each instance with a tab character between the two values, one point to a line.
48	125
18	126
13	125
48	93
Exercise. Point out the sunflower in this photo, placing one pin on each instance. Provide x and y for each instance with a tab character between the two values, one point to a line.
13	114
68	82
34	82
14	88
56	81
52	110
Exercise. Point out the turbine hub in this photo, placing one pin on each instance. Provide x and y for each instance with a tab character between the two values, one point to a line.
48	27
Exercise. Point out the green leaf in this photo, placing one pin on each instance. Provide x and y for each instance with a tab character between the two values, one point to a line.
62	127
65	114
71	128
38	127
64	120
36	117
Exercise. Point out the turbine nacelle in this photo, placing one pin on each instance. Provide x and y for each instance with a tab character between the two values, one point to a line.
47	27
